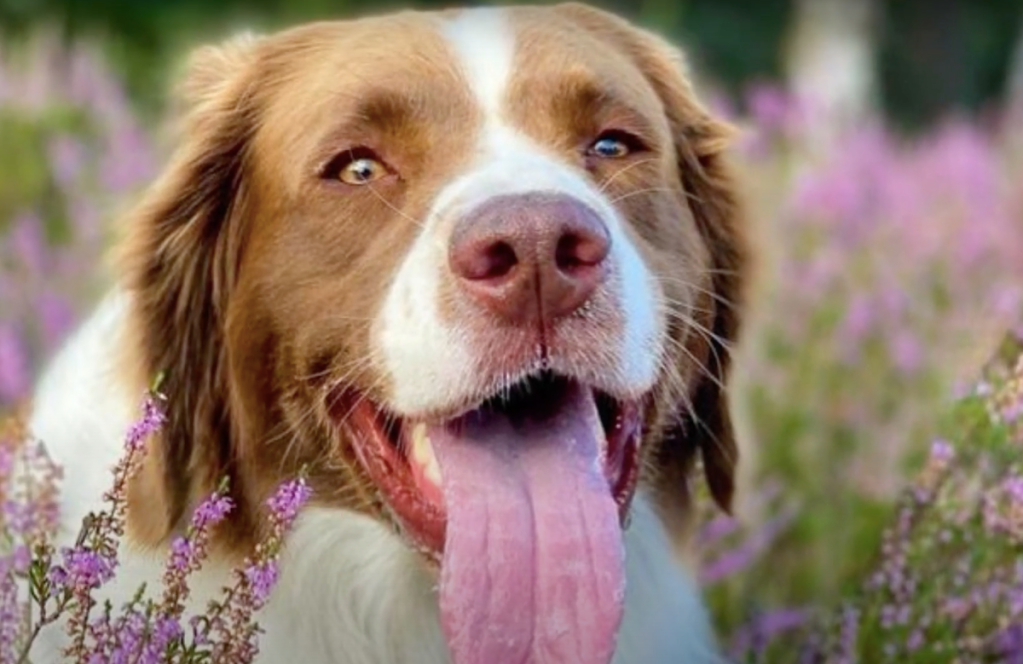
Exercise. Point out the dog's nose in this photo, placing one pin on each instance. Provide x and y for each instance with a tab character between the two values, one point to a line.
530	258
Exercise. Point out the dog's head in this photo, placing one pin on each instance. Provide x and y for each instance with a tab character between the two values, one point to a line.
477	271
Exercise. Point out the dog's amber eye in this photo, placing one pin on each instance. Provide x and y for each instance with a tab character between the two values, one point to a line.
611	145
362	171
356	166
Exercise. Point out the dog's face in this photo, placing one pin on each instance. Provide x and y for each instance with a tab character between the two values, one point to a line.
476	271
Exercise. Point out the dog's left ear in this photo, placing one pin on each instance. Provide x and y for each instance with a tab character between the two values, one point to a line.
178	261
707	178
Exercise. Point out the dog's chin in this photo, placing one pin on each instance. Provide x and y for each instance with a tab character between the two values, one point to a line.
403	457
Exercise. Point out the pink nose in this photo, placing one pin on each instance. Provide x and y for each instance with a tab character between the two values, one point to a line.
530	258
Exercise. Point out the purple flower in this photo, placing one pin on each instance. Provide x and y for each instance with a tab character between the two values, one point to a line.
67	159
187	552
21	558
717	529
773	108
127	161
1008	644
152	420
11	615
57	577
906	351
942	451
166	630
211	511
1013	487
748	552
289	499
261	577
766	626
182	555
849	635
85	569
14	364
859	318
1013	411
27	243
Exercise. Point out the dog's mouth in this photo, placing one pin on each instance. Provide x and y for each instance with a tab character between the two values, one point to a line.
520	499
400	456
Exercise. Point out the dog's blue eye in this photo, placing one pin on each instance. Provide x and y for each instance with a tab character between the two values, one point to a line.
615	144
610	147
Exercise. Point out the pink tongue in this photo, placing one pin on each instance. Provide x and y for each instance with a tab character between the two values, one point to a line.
533	569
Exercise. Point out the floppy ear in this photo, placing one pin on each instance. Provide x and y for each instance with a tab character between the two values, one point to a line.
178	262
707	177
700	142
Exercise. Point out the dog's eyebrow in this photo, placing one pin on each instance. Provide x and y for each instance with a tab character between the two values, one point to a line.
585	94
585	100
373	112
384	108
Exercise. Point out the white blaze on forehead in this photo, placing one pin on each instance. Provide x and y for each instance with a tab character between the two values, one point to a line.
433	364
483	40
430	362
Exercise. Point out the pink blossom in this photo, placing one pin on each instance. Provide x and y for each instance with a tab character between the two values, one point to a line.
14	368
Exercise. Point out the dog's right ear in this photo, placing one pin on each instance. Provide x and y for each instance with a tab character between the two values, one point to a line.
178	263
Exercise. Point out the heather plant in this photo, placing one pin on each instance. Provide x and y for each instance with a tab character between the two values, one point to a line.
945	583
894	268
894	265
43	587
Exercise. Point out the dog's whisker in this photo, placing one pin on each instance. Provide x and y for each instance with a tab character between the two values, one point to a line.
640	192
718	297
703	368
401	213
703	330
607	182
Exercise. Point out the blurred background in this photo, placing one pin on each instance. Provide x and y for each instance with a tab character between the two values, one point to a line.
916	58
882	149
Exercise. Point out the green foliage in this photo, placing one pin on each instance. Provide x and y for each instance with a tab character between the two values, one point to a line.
26	179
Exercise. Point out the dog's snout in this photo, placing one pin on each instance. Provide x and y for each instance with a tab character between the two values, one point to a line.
530	258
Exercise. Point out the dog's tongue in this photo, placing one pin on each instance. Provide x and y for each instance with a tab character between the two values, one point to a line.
533	567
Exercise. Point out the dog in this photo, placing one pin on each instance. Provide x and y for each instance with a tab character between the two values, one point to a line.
476	273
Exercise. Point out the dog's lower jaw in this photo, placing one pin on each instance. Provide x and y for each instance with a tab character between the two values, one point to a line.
351	591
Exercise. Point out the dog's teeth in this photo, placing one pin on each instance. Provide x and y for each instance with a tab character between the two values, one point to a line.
421	450
423	456
600	435
433	471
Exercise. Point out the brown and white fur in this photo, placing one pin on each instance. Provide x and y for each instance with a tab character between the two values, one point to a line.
261	289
